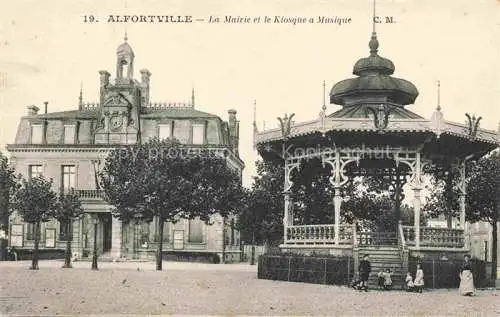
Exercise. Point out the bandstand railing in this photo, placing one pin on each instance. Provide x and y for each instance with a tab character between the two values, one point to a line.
404	236
377	238
435	237
318	234
90	194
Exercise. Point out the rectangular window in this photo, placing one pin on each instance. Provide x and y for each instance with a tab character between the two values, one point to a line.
85	229
35	171
195	231
64	231
69	134
68	177
166	231
30	231
164	131
233	236
36	134
144	234
198	133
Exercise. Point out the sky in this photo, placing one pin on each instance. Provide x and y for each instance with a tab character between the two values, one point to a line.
47	52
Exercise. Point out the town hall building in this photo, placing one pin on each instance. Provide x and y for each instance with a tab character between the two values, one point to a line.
70	148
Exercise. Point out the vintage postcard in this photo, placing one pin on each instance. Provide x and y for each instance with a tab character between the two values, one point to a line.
299	157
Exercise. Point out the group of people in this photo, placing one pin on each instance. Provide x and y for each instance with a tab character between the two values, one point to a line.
417	284
412	284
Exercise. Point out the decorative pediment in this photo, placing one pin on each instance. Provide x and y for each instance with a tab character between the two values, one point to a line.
380	115
116	100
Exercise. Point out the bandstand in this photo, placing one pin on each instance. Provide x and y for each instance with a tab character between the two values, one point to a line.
375	131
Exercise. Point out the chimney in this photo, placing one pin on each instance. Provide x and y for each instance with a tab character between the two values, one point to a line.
46	104
33	110
233	130
145	76
232	116
498	133
104	77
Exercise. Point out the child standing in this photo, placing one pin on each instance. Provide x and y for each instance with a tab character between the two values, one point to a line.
364	272
387	279
419	279
409	282
381	279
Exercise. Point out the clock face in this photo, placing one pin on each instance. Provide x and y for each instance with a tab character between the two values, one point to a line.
116	123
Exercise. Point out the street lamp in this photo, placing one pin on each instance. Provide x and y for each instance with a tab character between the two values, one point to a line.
96	219
94	256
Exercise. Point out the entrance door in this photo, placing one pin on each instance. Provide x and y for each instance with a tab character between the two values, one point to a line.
107	232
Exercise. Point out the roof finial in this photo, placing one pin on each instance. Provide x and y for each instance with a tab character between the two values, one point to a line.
373	41
324	96
192	97
255	116
125	38
498	132
373	21
80	98
438	108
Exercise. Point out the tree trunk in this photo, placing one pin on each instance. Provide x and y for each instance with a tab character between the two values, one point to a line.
494	251
67	255
252	260
223	260
4	242
34	260
159	250
4	214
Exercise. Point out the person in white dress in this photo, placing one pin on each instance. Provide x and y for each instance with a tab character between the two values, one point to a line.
409	282
419	279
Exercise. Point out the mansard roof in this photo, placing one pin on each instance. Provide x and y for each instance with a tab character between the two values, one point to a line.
146	113
173	112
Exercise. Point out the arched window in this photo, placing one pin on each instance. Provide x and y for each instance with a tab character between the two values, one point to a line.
123	69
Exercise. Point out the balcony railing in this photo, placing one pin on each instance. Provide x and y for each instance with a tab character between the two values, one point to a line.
318	234
89	194
435	237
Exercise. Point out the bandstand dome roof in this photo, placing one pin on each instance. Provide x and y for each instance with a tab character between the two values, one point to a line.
373	112
374	78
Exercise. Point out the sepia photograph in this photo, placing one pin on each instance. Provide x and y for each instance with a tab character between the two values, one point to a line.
250	158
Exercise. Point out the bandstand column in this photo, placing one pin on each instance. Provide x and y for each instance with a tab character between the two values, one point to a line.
462	220
417	203
288	217
462	211
463	194
337	201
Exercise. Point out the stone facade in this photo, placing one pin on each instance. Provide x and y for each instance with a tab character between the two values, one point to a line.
481	240
70	146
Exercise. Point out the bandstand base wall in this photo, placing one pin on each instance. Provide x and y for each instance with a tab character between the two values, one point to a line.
307	269
338	266
444	272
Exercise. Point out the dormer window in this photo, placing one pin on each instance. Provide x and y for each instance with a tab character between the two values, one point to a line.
69	134
37	134
198	133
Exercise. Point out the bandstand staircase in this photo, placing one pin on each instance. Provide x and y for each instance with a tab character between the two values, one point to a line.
384	254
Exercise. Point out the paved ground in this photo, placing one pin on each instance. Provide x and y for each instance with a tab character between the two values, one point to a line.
208	289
